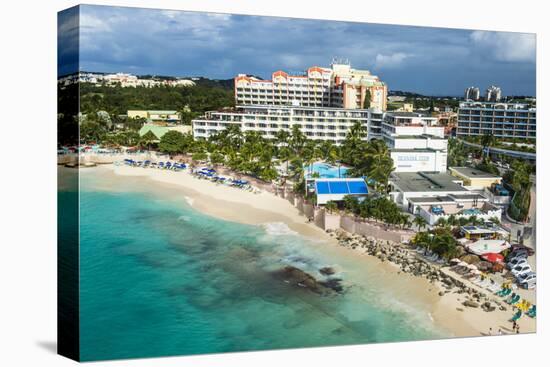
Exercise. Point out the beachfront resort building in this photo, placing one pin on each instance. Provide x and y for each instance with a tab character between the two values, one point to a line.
434	195
319	123
415	141
502	120
338	86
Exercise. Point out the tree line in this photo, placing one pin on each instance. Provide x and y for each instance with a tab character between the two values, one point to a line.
252	153
190	101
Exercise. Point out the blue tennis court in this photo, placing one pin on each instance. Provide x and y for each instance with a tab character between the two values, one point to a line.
344	186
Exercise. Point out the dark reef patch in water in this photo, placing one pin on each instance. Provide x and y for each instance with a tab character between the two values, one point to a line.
299	278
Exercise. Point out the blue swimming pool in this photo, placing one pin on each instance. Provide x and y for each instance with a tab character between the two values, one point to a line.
325	170
472	211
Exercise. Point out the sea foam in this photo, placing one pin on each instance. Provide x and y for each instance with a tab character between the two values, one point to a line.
278	229
189	200
184	218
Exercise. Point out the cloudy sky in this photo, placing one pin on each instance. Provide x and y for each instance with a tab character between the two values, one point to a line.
432	61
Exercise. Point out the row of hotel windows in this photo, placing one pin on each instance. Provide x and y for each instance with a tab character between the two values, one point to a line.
497	113
273	133
284	103
286	90
500	133
265	124
498	126
284	119
277	126
500	120
292	82
297	114
276	97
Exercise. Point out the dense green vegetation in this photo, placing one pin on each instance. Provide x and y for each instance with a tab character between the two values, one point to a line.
189	101
454	221
103	108
377	208
371	159
439	240
519	178
457	153
251	153
503	143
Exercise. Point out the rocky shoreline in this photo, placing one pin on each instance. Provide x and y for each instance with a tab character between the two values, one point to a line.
299	278
409	262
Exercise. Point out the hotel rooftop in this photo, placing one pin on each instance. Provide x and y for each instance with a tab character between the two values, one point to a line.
426	182
473	172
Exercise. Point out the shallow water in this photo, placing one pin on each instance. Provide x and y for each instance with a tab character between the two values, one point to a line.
159	278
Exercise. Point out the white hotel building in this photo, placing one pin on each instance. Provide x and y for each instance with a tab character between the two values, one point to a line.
338	86
415	141
325	103
319	123
502	120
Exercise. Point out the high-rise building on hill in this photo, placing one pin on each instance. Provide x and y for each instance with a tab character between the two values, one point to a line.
472	93
493	94
338	86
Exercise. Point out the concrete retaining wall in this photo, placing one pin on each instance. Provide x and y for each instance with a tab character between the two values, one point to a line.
352	225
308	210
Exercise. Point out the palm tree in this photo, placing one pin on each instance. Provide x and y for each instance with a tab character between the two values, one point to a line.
282	137
487	141
353	147
452	220
331	206
441	222
494	220
473	220
297	140
148	139
424	240
351	204
420	222
404	221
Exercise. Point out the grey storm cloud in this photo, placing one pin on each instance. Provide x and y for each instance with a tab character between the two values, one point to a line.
434	61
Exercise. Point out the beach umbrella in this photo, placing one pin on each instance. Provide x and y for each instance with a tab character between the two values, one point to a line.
493	257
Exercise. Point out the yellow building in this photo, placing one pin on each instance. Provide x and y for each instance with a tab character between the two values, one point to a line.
156	116
475	178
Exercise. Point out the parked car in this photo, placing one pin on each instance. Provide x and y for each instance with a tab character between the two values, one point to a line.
517	248
529	282
517	261
522	277
521	269
517	253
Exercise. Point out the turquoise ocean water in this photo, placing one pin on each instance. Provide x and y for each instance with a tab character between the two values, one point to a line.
159	278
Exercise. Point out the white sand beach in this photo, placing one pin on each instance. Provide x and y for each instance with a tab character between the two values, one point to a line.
246	207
